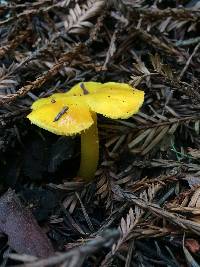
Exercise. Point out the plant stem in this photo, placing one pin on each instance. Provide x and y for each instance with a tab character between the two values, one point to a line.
89	151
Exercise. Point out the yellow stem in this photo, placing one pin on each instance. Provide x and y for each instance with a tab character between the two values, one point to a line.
89	151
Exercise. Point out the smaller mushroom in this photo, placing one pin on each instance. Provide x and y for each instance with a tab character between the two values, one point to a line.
75	112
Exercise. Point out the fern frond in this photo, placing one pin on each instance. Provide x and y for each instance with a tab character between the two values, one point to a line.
77	21
134	216
8	82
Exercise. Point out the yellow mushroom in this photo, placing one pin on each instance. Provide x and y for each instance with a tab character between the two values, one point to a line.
75	112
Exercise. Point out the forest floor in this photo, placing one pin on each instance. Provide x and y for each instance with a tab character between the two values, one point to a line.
143	206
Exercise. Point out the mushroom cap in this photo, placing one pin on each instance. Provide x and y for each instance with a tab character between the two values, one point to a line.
75	119
75	92
91	87
113	100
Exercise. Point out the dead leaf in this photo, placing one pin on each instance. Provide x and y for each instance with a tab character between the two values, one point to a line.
24	234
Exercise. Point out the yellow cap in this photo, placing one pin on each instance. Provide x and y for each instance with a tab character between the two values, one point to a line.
62	117
69	113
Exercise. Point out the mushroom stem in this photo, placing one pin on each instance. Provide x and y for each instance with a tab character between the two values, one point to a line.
89	151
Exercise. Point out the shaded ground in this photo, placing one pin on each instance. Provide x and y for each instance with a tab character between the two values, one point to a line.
142	209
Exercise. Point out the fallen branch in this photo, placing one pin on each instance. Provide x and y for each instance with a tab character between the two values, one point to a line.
66	58
157	210
11	45
76	256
